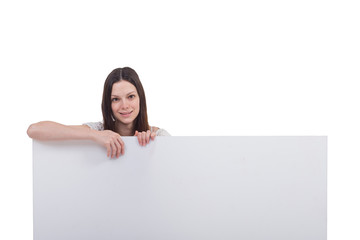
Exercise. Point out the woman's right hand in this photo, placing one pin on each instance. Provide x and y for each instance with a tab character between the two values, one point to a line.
112	141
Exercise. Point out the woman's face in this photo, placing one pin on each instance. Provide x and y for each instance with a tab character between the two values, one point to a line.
125	102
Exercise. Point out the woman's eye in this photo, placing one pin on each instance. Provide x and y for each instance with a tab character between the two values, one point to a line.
131	96
114	99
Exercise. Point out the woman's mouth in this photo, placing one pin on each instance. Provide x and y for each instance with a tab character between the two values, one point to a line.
126	114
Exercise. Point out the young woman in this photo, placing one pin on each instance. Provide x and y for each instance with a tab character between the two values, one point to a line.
124	114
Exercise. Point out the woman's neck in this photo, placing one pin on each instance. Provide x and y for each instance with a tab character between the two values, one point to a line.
124	129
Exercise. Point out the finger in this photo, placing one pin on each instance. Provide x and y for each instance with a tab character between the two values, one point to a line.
108	149
136	133
153	135
139	138
148	133
118	148
143	138
113	149
122	145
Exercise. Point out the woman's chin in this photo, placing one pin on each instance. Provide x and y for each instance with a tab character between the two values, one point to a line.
126	121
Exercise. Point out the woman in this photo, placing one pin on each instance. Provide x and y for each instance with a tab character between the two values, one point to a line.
124	114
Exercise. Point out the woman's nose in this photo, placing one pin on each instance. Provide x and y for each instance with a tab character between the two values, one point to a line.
125	104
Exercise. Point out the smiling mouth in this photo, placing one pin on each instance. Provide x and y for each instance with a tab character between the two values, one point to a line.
127	113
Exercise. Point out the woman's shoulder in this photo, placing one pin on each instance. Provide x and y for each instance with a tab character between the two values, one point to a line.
99	126
95	125
160	131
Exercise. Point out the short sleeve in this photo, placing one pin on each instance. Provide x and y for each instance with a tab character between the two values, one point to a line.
162	132
99	126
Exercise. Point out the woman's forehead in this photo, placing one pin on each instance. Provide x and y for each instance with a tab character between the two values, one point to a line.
122	88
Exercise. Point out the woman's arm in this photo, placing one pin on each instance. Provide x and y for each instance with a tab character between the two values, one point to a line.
48	130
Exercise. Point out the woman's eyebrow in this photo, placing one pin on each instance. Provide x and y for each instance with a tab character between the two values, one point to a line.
113	95
130	92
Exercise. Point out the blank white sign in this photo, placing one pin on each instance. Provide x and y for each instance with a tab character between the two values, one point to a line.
182	188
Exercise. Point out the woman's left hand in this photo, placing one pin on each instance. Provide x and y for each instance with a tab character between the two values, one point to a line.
144	137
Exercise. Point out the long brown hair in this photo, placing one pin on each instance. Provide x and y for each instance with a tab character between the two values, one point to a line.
124	74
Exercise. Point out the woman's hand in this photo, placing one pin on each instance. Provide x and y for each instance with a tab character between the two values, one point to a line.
144	137
112	141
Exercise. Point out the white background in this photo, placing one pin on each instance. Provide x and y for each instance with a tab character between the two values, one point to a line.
208	68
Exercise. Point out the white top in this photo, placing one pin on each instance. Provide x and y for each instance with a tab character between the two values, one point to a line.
99	126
